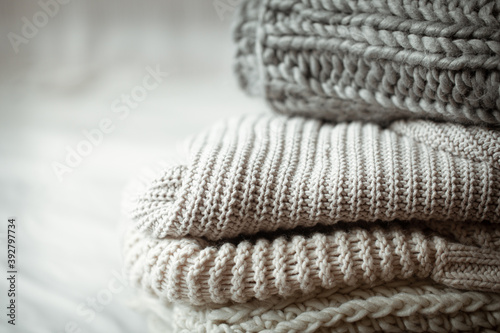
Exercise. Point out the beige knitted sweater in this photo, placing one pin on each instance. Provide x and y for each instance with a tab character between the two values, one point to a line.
400	306
263	173
294	225
199	272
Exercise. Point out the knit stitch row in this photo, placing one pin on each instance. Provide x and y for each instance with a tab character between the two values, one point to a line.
379	60
263	173
400	306
199	272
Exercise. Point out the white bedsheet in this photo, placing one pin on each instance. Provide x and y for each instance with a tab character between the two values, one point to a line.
68	232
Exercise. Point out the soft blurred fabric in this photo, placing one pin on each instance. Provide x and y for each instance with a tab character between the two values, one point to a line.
64	81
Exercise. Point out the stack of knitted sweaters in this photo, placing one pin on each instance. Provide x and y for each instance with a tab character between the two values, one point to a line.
373	205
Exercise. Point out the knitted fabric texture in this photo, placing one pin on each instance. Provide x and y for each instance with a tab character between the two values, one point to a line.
263	173
199	272
351	60
400	306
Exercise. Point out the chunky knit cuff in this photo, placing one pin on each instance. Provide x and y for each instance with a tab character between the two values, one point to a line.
263	173
351	60
199	272
400	306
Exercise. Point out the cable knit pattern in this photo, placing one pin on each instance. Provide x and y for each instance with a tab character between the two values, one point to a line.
262	173
200	272
350	60
401	306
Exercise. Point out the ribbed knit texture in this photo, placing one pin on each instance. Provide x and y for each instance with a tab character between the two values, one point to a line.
378	60
262	173
199	272
401	306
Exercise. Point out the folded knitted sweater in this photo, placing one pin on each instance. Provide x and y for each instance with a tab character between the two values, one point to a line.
200	272
378	60
284	224
263	173
399	306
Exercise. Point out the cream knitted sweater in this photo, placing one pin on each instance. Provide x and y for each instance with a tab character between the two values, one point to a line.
199	272
400	306
263	173
378	60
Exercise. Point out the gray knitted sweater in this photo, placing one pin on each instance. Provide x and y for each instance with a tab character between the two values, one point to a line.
372	60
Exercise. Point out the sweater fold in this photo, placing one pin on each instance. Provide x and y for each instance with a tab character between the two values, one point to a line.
264	173
201	272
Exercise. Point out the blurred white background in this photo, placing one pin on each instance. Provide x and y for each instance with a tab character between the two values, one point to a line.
63	78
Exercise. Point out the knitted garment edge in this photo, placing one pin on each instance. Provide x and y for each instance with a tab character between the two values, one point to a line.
200	272
398	306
